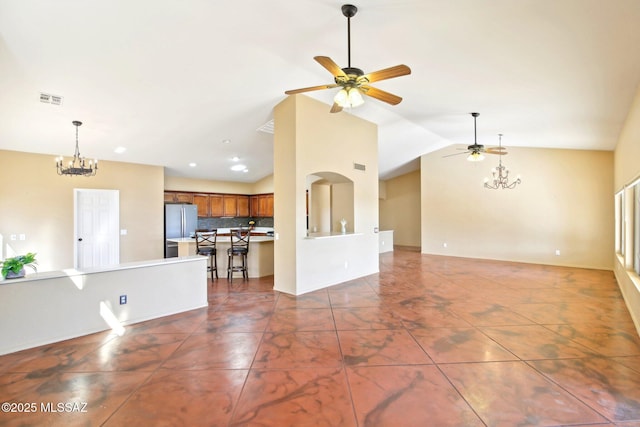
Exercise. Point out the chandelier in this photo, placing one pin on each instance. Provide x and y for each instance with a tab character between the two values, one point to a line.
500	174
77	166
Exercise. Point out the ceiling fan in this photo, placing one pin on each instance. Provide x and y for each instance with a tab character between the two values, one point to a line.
476	151
353	81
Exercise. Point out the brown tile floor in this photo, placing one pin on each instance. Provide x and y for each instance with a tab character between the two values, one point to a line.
430	341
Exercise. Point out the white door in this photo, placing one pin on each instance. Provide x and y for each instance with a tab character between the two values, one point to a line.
97	224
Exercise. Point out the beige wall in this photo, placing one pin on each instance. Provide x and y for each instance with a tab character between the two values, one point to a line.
35	201
342	206
400	209
627	169
176	183
308	140
564	203
320	208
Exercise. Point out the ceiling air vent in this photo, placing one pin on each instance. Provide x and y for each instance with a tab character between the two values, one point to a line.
47	98
359	167
267	127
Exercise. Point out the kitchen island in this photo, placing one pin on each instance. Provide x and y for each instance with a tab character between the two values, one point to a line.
259	259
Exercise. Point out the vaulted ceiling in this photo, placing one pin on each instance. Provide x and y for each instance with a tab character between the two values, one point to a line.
179	82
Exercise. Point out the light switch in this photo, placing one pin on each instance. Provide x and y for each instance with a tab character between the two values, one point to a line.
123	232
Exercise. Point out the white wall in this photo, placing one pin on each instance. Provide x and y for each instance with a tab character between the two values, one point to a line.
56	306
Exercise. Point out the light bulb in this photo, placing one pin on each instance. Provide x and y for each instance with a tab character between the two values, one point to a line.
341	98
355	98
475	156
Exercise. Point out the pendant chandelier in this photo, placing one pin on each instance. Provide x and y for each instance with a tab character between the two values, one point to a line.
77	166
501	173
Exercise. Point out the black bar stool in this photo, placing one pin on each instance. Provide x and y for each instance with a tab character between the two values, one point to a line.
239	248
206	245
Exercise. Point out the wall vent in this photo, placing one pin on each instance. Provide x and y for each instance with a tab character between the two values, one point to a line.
359	167
47	98
267	127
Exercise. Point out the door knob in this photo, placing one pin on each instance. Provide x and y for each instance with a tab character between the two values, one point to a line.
80	239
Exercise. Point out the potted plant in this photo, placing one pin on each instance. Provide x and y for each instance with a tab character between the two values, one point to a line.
13	268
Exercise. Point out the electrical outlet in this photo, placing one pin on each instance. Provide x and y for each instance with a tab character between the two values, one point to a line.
123	299
444	245
557	252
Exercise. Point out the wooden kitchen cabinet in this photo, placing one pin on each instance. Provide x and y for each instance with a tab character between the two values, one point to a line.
254	207
261	205
202	201
177	197
243	206
266	205
230	204
216	205
212	205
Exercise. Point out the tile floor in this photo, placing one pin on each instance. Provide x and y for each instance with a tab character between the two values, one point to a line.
429	341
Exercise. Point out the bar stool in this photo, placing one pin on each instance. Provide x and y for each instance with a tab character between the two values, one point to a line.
239	248
206	245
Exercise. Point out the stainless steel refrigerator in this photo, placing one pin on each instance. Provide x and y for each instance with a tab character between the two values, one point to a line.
180	221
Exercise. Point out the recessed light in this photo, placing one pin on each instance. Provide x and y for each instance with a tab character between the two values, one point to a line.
238	167
193	165
120	150
235	158
226	141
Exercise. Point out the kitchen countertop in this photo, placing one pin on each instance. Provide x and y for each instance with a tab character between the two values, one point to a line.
252	239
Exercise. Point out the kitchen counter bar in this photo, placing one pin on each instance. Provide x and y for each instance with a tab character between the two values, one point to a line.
259	259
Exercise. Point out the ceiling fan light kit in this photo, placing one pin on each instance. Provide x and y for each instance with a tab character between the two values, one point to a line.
349	98
353	81
500	174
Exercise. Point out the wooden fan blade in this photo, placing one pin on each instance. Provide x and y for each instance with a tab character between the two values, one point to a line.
381	95
335	108
331	66
309	89
387	73
456	154
499	153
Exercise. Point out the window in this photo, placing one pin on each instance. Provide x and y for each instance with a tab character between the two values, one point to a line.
619	220
636	227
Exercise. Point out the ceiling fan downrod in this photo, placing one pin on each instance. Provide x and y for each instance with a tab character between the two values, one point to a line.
349	11
475	133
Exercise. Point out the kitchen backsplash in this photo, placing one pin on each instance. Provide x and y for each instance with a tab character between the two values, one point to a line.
210	223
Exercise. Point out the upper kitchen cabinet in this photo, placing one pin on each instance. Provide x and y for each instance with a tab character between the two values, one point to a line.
202	201
216	205
262	205
230	204
243	206
254	207
177	197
